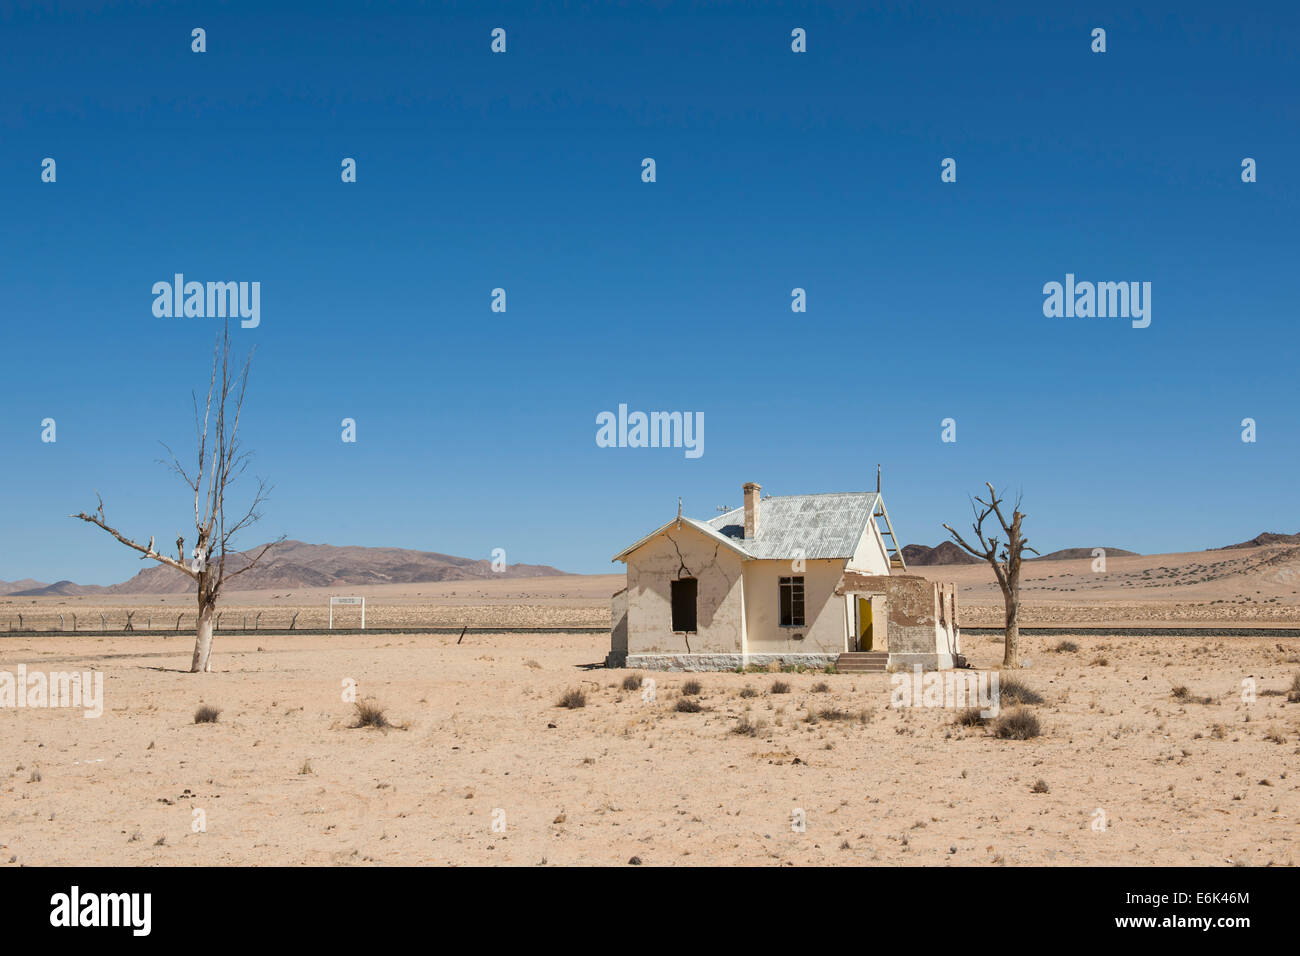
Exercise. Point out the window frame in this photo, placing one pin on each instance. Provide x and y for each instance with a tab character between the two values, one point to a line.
691	586
796	587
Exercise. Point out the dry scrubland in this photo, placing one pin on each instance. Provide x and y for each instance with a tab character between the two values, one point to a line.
561	601
1246	586
283	778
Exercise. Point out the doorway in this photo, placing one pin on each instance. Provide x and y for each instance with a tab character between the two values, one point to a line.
866	625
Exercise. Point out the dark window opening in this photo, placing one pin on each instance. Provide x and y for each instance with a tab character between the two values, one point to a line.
684	592
792	602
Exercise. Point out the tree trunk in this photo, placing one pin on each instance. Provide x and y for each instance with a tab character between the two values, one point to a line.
202	662
1011	649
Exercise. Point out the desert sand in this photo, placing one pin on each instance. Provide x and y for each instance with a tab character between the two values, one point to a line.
282	778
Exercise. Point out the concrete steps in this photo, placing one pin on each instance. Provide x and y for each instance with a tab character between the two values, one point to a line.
862	662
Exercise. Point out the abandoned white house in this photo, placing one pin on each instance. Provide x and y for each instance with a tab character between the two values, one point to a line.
792	579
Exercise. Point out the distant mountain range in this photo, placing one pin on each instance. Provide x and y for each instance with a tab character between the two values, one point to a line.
949	552
1070	554
1268	537
296	564
946	552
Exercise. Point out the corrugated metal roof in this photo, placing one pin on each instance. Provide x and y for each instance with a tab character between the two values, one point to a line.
819	526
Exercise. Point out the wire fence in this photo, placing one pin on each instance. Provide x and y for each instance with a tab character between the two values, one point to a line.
407	619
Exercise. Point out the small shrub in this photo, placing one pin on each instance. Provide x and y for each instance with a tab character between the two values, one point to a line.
573	699
1185	696
687	705
691	688
305	768
370	714
1040	787
1101	662
1017	724
746	728
970	717
1066	647
1012	690
837	714
632	682
780	687
821	687
1293	692
748	691
207	714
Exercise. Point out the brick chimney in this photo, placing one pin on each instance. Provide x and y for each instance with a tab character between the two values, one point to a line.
752	489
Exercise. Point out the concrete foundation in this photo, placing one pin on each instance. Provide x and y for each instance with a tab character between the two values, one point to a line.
717	662
928	661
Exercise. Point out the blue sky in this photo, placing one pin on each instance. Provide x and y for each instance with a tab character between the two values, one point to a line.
775	170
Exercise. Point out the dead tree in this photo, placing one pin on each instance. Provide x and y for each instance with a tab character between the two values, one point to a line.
1006	564
221	461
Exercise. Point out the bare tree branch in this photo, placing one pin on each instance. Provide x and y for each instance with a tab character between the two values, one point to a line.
148	552
221	461
1006	564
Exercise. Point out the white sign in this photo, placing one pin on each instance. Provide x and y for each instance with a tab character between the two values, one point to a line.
350	601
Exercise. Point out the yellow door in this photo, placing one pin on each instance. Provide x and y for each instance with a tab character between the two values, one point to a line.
864	624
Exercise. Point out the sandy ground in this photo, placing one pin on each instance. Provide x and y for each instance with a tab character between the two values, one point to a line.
281	778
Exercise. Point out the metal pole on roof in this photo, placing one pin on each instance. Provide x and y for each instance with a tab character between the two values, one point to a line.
877	478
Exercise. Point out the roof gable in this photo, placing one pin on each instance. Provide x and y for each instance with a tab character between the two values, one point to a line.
808	526
700	526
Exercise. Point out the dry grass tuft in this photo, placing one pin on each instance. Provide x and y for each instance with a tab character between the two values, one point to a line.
573	699
370	714
1017	724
